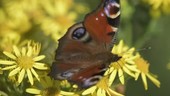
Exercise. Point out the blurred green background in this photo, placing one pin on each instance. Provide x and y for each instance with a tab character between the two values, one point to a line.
144	24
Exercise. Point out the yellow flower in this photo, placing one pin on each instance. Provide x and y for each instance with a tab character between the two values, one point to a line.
49	92
49	88
24	62
52	16
124	64
101	89
143	67
158	6
8	40
59	19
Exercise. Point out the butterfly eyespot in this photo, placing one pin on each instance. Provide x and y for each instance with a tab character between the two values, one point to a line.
79	33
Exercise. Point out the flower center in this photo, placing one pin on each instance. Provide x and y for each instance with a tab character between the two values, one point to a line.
103	83
51	91
142	65
25	62
119	64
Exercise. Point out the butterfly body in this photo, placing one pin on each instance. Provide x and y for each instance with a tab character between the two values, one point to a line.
83	53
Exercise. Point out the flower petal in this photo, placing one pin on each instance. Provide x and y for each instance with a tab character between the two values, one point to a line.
131	67
38	58
99	92
131	58
137	75
23	51
112	77
154	80
21	75
10	55
35	74
29	53
40	66
110	70
128	72
30	76
120	47
9	67
5	62
114	93
15	71
16	51
103	92
130	61
66	93
144	80
109	94
121	76
33	91
89	90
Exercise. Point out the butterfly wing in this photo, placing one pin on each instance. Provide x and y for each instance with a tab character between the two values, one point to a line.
83	77
89	76
78	57
104	22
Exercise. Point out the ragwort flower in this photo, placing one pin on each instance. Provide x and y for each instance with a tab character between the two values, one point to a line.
8	40
143	67
101	89
49	88
23	62
159	6
124	64
51	91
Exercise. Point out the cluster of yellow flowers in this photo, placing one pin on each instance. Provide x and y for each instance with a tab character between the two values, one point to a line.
23	61
130	64
53	17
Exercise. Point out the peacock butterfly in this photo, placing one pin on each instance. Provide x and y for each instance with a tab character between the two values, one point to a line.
84	52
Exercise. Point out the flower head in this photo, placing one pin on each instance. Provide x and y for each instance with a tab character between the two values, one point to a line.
23	61
124	64
8	40
143	67
101	89
159	6
49	87
51	91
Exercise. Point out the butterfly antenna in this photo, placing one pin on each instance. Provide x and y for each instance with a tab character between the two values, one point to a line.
143	49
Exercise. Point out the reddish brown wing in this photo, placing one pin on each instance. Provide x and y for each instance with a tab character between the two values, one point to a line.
104	21
83	77
77	57
89	76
